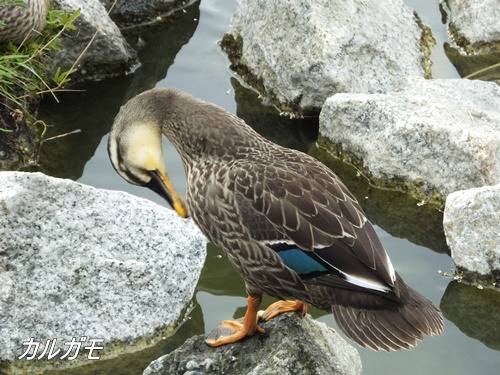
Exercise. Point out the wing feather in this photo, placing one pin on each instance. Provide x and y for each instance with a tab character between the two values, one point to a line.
306	203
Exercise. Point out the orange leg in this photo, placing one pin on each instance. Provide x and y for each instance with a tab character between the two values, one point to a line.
231	331
285	306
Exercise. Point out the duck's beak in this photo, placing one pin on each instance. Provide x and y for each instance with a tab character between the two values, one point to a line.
160	183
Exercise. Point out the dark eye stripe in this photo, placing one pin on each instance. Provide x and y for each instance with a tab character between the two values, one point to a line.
120	166
129	176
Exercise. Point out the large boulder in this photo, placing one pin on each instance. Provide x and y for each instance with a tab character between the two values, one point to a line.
96	46
291	345
471	223
75	260
429	137
298	53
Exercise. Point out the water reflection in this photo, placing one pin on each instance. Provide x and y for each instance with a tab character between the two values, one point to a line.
157	48
468	64
218	276
299	133
92	111
474	311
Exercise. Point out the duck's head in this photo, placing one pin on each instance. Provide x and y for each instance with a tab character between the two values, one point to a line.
136	153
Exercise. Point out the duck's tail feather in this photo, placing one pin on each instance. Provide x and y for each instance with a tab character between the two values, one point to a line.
387	325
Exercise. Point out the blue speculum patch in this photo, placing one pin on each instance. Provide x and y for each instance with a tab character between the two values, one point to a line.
300	262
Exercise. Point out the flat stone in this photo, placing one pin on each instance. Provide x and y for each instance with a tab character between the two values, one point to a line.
79	261
429	137
298	53
471	224
291	345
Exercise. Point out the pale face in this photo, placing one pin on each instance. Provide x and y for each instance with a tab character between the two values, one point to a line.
137	151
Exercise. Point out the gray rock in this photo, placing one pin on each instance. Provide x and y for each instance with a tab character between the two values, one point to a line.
471	223
291	345
429	137
108	54
298	53
474	24
79	261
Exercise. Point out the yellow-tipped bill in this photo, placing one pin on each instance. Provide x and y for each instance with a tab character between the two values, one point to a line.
161	184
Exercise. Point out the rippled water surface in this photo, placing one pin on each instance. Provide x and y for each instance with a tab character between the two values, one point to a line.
184	53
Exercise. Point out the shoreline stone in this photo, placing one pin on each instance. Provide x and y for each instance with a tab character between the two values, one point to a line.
97	44
79	261
291	345
427	137
299	53
474	25
471	221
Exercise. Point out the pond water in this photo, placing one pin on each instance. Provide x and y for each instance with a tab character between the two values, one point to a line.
184	53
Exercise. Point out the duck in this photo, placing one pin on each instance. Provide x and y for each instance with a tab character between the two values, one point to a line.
23	23
286	222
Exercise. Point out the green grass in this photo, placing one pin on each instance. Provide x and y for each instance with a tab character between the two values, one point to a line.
25	69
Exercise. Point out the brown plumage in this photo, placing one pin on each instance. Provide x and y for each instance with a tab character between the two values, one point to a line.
23	24
286	222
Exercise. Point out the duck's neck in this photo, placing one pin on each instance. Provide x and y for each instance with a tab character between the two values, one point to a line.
208	132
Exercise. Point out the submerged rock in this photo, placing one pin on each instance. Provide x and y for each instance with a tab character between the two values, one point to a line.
76	261
298	53
291	345
428	137
471	223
